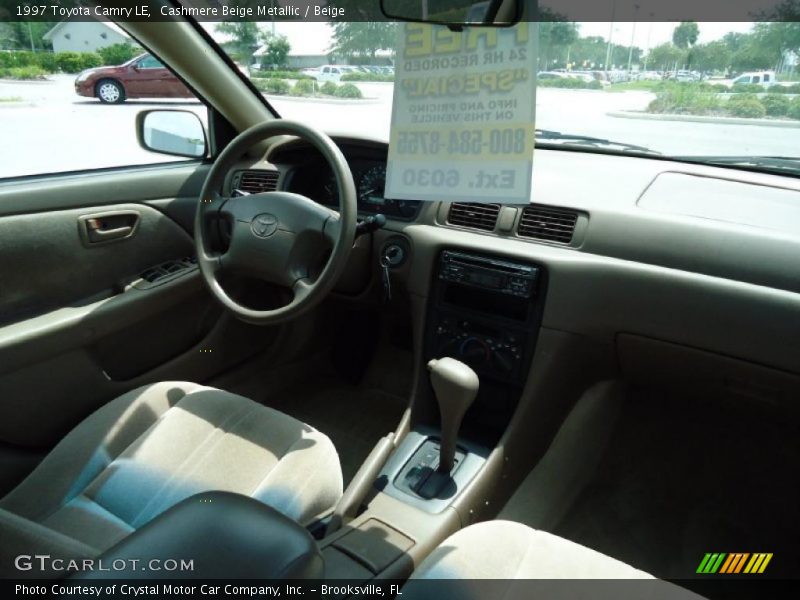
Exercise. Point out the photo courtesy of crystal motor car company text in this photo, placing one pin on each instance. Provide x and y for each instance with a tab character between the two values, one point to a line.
400	299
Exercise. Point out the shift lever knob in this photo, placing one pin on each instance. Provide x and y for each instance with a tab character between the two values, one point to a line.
455	386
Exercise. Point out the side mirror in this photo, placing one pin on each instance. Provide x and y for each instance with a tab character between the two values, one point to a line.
173	132
498	13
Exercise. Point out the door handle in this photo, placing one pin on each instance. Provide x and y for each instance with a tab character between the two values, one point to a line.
106	227
101	234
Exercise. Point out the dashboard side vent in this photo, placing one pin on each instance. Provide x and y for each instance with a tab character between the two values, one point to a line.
255	182
474	215
547	223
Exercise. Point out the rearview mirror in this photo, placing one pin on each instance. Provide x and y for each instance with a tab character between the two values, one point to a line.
173	132
498	13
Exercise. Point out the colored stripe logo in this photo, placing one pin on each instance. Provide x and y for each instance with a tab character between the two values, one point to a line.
734	563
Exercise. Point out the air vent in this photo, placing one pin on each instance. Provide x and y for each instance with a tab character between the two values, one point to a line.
548	224
477	216
255	182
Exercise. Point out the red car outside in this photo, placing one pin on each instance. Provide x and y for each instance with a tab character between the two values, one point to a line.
140	77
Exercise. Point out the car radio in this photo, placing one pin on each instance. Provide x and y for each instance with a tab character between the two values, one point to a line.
492	274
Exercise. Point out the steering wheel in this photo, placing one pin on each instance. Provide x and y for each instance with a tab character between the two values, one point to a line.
278	237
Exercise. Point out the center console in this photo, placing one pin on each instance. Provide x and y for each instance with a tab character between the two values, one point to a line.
483	318
485	311
481	325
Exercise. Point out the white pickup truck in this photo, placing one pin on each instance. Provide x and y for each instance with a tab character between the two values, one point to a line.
763	78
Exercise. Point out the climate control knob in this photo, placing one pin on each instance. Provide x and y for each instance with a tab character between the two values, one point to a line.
474	351
503	360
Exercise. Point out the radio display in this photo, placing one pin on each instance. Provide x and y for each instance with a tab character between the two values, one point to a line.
487	279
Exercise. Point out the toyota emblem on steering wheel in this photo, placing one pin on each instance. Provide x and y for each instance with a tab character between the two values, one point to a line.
264	225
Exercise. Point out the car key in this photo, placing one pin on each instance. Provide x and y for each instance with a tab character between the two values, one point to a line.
385	276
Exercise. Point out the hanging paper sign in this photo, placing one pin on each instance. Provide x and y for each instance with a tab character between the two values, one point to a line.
463	114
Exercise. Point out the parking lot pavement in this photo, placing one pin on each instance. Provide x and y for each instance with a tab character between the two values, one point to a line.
51	129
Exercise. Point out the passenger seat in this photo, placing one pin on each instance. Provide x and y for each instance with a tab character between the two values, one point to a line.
504	550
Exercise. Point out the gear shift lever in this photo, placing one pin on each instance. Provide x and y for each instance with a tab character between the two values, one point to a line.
455	386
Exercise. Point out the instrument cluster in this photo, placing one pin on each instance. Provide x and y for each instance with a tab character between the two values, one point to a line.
370	179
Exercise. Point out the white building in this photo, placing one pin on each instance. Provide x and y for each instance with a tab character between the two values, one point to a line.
85	36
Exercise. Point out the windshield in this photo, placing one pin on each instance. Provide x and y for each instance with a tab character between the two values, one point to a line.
695	91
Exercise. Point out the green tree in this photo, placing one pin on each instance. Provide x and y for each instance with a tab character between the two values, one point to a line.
754	56
764	47
363	39
685	34
665	57
244	39
588	52
735	40
276	49
116	54
23	35
556	35
788	35
786	24
777	38
713	56
7	38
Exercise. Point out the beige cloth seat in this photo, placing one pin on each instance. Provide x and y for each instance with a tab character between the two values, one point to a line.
506	552
153	447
